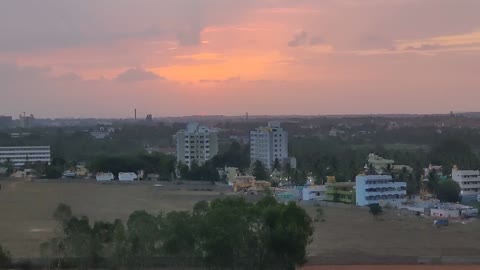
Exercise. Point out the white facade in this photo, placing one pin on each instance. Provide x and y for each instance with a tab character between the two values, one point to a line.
445	213
19	155
469	181
127	176
231	174
379	163
381	189
313	193
196	144
268	144
105	177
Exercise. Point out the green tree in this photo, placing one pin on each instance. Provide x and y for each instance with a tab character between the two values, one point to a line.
375	209
237	155
454	151
300	178
53	172
433	183
79	243
143	237
183	170
9	165
413	185
259	171
277	165
179	237
287	171
5	259
448	191
200	208
62	213
120	256
206	172
225	237
227	233
285	233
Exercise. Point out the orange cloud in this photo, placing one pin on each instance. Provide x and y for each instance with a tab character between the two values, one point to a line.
247	65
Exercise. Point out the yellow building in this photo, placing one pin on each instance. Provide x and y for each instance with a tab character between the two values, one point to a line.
249	182
340	191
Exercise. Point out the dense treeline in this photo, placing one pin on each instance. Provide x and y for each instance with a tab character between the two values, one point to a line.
325	157
224	234
320	155
76	143
161	164
5	260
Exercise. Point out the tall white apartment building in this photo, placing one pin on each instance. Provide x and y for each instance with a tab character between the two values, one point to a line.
196	144
19	155
381	189
268	144
469	182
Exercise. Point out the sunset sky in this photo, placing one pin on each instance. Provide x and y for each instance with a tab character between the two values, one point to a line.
102	58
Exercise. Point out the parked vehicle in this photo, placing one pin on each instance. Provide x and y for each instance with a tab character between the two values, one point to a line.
440	223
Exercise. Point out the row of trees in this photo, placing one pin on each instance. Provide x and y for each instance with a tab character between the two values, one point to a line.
227	233
158	163
5	260
206	172
53	170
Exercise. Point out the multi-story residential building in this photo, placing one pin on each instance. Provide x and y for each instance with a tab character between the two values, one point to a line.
26	121
469	182
371	189
5	121
379	164
268	144
196	144
343	192
19	155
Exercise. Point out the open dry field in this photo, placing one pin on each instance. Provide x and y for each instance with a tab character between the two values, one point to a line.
26	207
352	235
349	234
392	267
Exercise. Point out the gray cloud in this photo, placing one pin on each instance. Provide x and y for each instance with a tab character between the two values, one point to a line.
136	75
299	39
317	40
302	38
433	46
12	74
374	41
52	24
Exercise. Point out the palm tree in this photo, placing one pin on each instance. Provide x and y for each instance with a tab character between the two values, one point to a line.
432	184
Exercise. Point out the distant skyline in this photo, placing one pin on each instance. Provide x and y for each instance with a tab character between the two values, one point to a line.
227	57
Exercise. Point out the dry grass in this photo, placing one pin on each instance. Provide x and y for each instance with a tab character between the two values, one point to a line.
26	220
350	232
392	267
26	207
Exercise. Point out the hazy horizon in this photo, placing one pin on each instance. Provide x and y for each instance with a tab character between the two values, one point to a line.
171	58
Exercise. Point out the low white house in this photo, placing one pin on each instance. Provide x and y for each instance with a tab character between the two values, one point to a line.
105	177
127	176
313	193
444	213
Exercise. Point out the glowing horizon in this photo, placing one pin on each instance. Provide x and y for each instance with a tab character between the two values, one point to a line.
173	58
